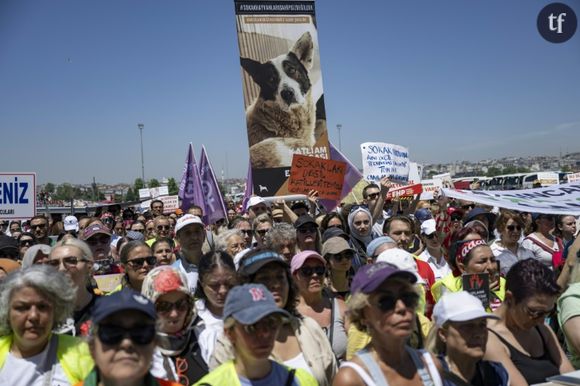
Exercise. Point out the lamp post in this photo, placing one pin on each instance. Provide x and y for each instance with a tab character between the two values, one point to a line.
140	126
339	127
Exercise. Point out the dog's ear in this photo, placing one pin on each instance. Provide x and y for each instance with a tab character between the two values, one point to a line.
304	49
252	67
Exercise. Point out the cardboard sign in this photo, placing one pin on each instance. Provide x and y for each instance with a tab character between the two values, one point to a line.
405	191
170	204
477	284
384	159
17	196
311	173
107	283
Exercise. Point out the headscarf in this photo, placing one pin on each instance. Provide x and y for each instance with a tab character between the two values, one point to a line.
30	255
354	232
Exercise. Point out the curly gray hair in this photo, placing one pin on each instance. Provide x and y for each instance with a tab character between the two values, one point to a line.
279	233
54	285
221	241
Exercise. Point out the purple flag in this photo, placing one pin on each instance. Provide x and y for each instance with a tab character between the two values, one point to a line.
351	177
190	190
249	191
214	202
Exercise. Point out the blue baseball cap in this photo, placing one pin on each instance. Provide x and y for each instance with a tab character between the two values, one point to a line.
375	243
249	303
423	214
370	277
121	301
249	265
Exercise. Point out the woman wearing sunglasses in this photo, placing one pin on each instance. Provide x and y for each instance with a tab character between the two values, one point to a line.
33	302
507	249
122	341
25	241
252	321
309	272
137	260
383	303
299	343
520	340
167	288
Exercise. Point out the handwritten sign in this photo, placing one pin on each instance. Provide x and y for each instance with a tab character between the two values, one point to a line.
312	173
477	284
384	159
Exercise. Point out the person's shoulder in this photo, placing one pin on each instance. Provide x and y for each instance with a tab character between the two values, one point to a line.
348	376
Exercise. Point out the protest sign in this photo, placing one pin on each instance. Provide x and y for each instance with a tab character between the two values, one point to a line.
477	284
405	191
574	177
17	195
144	193
286	118
170	204
429	187
384	159
311	173
415	172
556	199
108	283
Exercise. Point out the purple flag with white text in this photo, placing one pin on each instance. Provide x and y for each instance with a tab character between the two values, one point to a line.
190	190
215	208
351	177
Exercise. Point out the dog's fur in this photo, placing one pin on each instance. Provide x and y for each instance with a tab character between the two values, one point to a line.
283	117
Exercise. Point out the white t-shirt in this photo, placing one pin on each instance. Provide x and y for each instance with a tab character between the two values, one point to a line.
539	253
506	257
36	370
440	270
208	330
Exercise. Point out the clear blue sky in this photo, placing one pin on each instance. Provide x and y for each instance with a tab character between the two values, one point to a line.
452	80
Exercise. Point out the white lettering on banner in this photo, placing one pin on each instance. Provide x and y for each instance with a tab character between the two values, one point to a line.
384	159
558	199
17	195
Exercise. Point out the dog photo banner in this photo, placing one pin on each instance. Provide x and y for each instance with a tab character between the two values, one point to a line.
385	160
282	88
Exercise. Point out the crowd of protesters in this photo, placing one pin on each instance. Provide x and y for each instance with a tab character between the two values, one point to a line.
284	293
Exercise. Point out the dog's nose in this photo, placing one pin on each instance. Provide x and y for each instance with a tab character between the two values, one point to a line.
288	96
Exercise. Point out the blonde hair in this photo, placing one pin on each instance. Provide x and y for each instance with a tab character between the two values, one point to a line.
433	343
355	306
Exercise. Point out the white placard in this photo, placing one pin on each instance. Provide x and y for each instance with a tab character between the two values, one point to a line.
574	177
144	193
415	173
17	196
384	159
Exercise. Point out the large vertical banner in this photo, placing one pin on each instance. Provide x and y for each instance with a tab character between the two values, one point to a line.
282	86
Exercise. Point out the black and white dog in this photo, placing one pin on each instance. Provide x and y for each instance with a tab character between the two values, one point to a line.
283	117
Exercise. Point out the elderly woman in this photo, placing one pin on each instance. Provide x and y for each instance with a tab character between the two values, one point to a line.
37	254
520	340
282	240
473	256
383	303
167	288
546	247
261	226
309	270
137	260
360	224
74	258
122	341
217	275
32	303
230	241
252	323
300	343
508	249
459	338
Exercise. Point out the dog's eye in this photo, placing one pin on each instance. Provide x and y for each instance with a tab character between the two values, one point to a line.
271	79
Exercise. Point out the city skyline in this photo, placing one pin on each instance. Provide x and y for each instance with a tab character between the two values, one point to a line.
439	78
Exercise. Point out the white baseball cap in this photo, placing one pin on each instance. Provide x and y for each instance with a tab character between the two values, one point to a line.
186	220
459	307
402	259
255	200
71	223
428	227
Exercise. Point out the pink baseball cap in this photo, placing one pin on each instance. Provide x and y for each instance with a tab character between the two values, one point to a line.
300	258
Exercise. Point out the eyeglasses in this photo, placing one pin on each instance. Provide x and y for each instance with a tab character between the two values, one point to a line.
262	232
140	261
373	196
166	307
68	262
163	227
264	325
512	228
26	243
537	314
139	230
246	231
113	335
309	271
387	302
305	230
98	240
341	256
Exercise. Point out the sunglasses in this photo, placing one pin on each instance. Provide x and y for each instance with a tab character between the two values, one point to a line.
98	240
309	271
306	230
264	325
455	218
341	256
262	232
387	302
166	307
113	335
537	314
138	230
431	236
373	196
24	243
163	227
68	262
41	226
512	228
140	261
246	231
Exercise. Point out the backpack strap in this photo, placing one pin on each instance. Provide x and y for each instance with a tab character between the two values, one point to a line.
290	378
